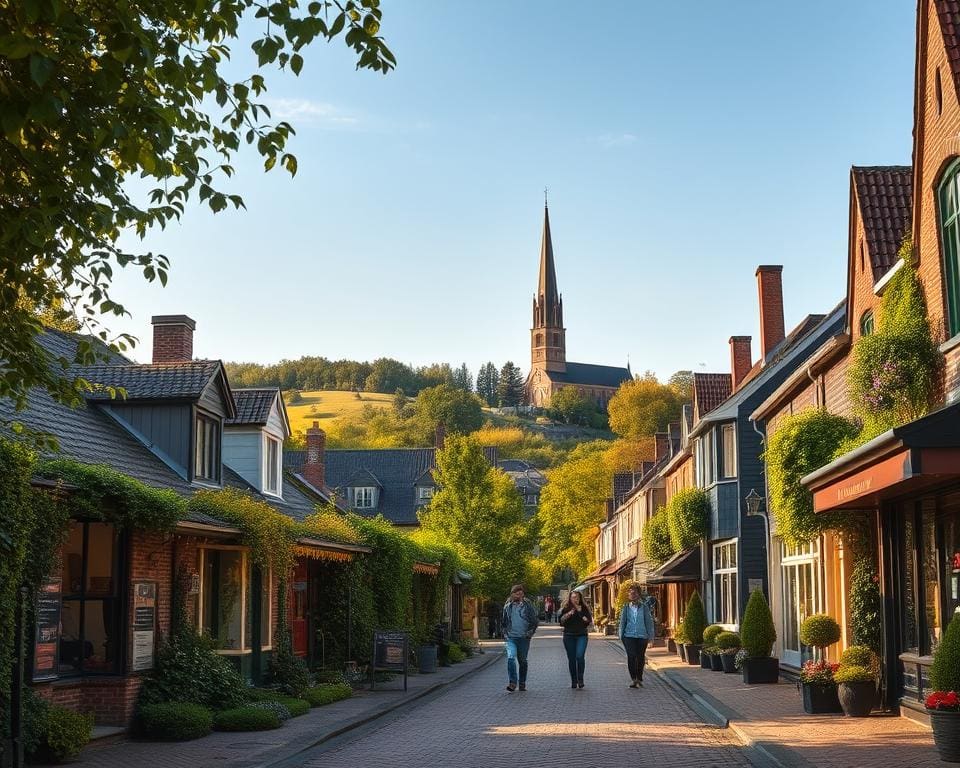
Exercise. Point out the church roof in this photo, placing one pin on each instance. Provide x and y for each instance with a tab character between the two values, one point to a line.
588	374
547	286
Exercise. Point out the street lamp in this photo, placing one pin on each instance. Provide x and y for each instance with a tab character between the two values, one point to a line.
754	505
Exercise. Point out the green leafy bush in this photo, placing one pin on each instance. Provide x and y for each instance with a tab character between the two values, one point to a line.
858	656
247	718
327	693
680	634
53	733
710	633
688	517
329	676
296	707
757	630
866	605
945	672
283	714
819	631
455	653
694	620
853	673
728	640
289	671
175	721
656	538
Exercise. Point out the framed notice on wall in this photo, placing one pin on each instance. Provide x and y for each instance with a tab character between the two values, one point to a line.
47	638
144	625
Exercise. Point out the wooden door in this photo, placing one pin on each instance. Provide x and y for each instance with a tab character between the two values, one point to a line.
298	608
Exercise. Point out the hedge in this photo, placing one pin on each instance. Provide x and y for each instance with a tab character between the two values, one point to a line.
175	721
688	517
327	694
246	719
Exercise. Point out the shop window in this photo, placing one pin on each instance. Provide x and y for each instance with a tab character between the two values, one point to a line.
799	571
931	577
725	583
950	236
223	597
90	633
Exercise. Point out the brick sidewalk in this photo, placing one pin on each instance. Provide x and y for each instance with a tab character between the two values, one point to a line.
249	750
771	717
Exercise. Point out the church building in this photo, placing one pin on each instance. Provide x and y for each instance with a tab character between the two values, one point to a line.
549	370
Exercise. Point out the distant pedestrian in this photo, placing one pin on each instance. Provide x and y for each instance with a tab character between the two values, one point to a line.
518	623
636	631
548	609
575	618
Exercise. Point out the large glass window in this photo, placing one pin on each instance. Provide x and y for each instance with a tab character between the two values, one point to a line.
90	632
363	498
223	597
950	234
799	570
725	583
728	434
207	463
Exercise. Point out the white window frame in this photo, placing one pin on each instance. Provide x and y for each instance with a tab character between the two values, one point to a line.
424	493
269	440
797	557
365	497
728	472
726	572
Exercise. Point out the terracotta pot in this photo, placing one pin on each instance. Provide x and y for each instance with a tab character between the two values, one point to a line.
946	734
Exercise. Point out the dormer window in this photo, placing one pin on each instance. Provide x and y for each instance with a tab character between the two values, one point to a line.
424	493
207	457
364	498
271	469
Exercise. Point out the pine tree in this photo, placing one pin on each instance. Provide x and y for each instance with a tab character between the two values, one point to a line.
510	388
488	379
462	378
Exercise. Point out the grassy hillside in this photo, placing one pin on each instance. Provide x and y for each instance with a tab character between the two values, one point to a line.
326	406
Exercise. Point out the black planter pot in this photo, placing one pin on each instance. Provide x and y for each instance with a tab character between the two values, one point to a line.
682	651
820	699
693	653
716	662
761	670
671	645
728	662
946	734
705	662
857	698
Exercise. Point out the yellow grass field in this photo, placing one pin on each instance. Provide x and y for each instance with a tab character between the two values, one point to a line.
326	406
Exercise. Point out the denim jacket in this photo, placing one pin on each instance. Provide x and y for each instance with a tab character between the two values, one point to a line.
645	617
529	614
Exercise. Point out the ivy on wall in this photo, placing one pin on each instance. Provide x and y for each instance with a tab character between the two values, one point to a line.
688	517
656	538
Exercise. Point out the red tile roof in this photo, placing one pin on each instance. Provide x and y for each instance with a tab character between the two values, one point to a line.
948	12
711	389
884	195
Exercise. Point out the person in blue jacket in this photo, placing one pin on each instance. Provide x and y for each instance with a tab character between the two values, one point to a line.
636	632
518	623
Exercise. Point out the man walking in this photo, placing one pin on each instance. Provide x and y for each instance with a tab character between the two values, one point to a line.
518	623
636	631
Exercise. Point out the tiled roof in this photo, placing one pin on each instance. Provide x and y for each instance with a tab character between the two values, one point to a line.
587	374
253	405
949	13
622	483
151	382
711	389
884	194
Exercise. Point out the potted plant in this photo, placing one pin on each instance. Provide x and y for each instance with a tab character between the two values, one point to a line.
694	622
681	637
816	676
758	635
671	644
710	648
857	689
943	705
728	643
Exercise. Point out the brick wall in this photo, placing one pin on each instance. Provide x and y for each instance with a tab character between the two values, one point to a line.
862	298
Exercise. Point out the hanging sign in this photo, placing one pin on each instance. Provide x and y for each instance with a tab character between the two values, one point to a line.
48	630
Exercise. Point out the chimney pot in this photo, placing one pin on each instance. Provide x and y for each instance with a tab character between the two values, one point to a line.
314	468
172	338
741	358
770	289
661	445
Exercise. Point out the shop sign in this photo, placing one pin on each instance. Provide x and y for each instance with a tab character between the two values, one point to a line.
871	480
48	630
144	624
391	653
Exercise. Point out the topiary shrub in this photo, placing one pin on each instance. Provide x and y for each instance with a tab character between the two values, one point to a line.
945	672
455	653
175	721
280	710
53	734
858	656
757	630
680	634
688	517
327	694
247	718
853	673
819	631
728	640
694	620
656	538
710	634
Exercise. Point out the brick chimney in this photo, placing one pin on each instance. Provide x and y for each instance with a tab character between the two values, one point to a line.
172	338
741	358
661	445
770	288
314	468
440	436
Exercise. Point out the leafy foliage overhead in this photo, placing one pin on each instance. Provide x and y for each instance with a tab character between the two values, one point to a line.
688	518
656	538
644	406
93	94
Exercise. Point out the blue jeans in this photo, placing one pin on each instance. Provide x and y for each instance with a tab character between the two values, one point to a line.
576	648
517	650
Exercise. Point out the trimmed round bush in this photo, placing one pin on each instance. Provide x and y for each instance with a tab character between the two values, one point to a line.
247	718
728	640
857	656
53	734
757	630
455	653
694	620
710	634
819	631
283	714
175	721
945	672
327	693
853	674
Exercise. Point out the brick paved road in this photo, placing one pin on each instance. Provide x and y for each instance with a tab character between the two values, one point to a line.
477	724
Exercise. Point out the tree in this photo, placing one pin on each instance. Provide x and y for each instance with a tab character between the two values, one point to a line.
400	402
462	378
389	375
572	407
434	374
93	94
643	407
479	510
681	383
458	411
488	381
510	386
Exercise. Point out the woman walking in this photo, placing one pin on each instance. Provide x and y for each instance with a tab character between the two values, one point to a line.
636	631
575	618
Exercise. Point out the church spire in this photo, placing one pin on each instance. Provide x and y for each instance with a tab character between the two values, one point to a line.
547	289
548	336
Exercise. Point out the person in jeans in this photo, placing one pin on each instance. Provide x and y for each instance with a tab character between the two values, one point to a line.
636	631
575	618
518	623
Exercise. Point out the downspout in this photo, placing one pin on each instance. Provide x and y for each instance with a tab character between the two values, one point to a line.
816	392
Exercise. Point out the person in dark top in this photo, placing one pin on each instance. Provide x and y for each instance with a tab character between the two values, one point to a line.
575	618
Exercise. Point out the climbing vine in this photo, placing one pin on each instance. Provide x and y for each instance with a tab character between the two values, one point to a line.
656	538
688	517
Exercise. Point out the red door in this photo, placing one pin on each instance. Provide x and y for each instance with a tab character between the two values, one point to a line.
298	608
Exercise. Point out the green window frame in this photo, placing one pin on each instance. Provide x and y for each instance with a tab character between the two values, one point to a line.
949	198
866	323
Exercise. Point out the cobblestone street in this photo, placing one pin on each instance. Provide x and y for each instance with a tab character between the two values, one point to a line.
477	723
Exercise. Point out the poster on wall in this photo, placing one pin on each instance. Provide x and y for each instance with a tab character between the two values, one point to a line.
144	624
48	630
142	650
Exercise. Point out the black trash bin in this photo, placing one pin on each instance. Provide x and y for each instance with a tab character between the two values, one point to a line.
427	658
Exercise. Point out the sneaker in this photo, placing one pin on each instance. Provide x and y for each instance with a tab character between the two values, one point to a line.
579	685
511	687
634	684
523	686
573	685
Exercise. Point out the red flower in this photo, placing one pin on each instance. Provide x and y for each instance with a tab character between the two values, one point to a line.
944	701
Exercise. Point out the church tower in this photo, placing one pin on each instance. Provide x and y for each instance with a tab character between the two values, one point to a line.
548	344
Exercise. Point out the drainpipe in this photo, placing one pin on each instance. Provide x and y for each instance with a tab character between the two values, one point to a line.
766	514
816	392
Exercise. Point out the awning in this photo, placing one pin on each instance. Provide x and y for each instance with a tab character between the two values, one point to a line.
915	457
620	565
683	566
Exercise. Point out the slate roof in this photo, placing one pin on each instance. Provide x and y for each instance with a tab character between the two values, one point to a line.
948	12
885	195
711	389
588	374
253	405
151	382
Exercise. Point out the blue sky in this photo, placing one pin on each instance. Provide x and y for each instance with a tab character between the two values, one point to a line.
683	144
